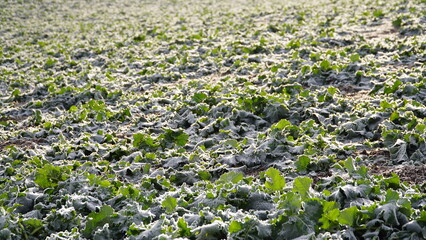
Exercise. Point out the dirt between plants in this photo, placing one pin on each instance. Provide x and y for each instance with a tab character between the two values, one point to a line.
13	118
28	143
407	173
379	31
361	95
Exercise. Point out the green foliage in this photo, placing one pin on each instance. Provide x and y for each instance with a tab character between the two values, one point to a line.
349	165
302	163
16	93
325	65
277	182
178	137
184	230
205	175
169	204
302	185
355	57
330	215
230	177
234	227
281	124
49	176
397	22
97	220
348	216
199	97
141	140
378	13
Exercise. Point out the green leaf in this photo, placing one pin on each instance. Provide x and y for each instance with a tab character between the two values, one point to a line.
348	216
231	142
234	227
16	92
305	69
378	13
391	196
49	176
394	116
182	139
385	104
230	177
277	182
33	223
397	22
275	68
302	185
139	38
376	88
98	219
355	57
37	117
325	65
50	62
349	165
281	124
291	201
96	105
199	97
302	163
141	140
362	171
151	156
169	204
422	216
184	230
204	175
179	137
332	90
129	191
330	214
394	87
393	182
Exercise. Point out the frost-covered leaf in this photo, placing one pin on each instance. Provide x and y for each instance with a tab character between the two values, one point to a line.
398	151
215	230
388	213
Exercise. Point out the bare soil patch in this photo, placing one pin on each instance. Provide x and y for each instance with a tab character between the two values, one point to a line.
407	173
13	118
380	31
361	95
23	143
